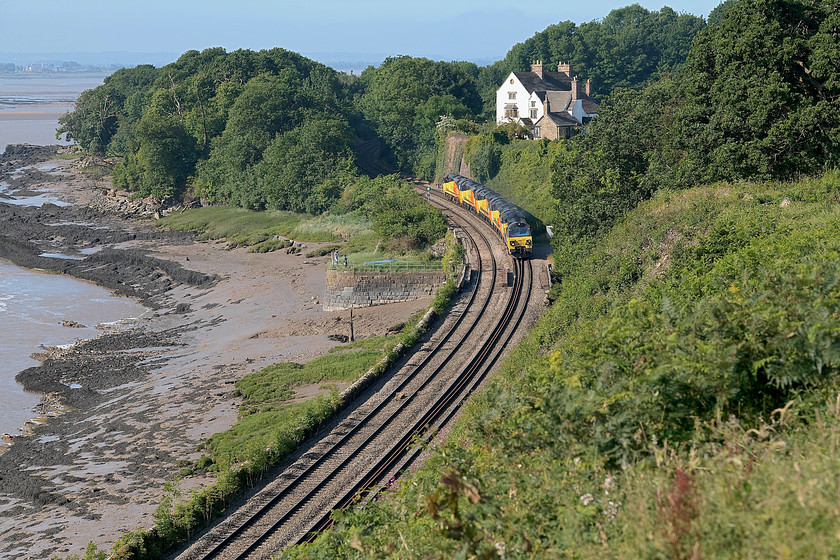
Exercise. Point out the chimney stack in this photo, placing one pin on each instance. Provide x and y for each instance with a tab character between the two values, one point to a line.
575	88
588	87
537	68
565	69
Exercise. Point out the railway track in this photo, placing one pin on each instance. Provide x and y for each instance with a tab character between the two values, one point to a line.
374	441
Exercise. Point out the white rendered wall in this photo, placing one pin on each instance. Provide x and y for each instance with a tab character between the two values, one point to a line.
578	112
502	98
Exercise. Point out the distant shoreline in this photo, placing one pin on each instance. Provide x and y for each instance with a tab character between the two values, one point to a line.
12	115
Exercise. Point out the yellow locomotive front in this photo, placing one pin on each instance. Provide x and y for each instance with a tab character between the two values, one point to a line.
518	238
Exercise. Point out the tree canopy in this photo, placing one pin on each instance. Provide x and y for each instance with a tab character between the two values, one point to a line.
630	47
757	98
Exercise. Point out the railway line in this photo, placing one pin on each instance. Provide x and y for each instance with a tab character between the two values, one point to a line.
372	441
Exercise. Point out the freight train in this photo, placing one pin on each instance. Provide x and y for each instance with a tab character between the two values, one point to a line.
506	218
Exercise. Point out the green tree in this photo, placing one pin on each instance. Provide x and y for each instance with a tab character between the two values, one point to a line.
398	95
631	47
294	172
760	94
165	159
94	121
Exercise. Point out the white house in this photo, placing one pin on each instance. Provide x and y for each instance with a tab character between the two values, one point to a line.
549	104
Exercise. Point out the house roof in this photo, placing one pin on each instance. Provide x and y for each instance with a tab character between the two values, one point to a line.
558	100
551	81
589	105
558	87
558	119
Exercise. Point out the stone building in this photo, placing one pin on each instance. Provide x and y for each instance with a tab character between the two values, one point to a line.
549	104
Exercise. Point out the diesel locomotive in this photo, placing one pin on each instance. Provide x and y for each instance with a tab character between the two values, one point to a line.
506	218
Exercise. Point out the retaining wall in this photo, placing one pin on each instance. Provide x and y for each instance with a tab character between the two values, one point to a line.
346	288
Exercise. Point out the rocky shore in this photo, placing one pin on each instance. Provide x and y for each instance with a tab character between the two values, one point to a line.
121	413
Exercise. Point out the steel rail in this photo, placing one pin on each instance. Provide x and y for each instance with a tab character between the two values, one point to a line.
470	377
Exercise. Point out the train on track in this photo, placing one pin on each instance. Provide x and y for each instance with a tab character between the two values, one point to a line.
506	218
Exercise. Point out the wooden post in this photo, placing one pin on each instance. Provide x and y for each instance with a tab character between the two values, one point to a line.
351	323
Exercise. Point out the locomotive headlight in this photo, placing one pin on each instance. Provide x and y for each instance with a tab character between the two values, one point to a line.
528	242
512	243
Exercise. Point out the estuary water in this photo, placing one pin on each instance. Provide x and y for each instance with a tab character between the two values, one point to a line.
33	309
34	306
30	104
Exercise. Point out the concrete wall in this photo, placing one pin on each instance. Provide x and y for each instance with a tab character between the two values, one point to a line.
363	289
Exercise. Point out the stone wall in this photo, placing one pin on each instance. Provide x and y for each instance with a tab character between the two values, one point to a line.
346	288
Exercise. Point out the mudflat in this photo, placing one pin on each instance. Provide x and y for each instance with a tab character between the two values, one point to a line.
120	411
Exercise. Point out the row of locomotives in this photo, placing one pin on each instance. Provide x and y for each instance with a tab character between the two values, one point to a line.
506	218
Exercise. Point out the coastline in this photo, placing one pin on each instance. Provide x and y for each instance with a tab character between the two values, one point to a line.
148	395
36	307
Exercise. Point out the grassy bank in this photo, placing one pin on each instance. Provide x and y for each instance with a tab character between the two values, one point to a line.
255	230
684	404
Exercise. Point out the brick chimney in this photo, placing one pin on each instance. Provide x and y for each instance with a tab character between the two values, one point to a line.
575	89
537	68
588	87
565	68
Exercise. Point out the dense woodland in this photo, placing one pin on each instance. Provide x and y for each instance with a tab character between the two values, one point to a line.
272	129
679	399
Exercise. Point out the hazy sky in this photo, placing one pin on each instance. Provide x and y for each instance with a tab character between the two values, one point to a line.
439	29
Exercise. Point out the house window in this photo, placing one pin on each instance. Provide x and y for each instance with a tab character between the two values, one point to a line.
512	112
511	95
533	103
533	113
536	132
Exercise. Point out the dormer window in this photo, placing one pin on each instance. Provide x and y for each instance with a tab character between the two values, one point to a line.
511	95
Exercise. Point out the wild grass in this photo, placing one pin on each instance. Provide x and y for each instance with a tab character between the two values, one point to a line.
266	420
331	227
246	228
754	493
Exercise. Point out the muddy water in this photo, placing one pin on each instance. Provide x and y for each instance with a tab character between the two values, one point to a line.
33	310
31	103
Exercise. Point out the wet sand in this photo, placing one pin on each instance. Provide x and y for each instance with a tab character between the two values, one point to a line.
150	395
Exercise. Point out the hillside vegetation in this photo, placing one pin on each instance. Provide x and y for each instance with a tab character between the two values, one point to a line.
686	400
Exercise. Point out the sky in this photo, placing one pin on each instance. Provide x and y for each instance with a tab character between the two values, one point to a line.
160	30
